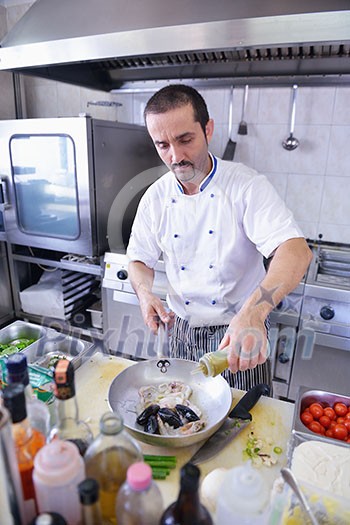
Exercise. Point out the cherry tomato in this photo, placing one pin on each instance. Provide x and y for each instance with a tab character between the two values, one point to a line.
340	409
306	418
315	426
340	432
316	410
325	421
347	415
329	433
340	420
347	424
332	425
329	412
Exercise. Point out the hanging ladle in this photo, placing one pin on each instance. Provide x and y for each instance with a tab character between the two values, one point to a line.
291	142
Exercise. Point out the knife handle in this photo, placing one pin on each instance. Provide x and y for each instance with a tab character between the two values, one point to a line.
248	401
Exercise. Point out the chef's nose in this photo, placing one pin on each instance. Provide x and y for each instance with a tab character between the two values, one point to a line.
176	154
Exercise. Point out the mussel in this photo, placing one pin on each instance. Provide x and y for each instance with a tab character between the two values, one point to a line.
151	410
170	416
151	425
186	412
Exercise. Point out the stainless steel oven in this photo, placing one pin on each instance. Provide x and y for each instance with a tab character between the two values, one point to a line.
59	178
283	335
124	330
322	356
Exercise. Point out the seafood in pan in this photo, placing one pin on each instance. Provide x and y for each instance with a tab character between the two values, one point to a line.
166	410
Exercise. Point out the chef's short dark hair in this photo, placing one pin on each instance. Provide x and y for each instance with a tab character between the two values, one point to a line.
175	96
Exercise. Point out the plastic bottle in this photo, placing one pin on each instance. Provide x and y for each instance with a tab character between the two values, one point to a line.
28	442
243	497
108	458
187	510
38	412
68	425
49	518
139	500
58	469
90	502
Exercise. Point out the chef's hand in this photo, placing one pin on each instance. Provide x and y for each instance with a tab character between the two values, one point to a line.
153	310
246	341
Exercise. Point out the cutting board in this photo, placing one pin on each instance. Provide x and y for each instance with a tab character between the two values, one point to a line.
272	420
92	381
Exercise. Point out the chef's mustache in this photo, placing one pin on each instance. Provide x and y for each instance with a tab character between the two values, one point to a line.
182	164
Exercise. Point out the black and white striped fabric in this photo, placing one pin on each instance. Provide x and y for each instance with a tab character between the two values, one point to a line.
192	343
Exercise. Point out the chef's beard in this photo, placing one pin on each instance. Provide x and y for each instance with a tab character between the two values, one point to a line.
186	172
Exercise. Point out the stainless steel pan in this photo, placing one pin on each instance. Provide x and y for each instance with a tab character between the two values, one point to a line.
211	394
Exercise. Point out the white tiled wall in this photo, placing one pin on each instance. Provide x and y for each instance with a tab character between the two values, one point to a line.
314	179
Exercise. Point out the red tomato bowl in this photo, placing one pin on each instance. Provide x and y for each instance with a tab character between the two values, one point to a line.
323	415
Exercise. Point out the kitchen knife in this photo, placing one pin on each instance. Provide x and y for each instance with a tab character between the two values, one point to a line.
236	421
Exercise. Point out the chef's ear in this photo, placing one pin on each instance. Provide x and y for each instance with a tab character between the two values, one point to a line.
209	130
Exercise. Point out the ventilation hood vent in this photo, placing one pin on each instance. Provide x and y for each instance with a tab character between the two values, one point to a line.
113	44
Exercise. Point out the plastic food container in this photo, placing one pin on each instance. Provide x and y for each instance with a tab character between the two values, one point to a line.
304	399
328	508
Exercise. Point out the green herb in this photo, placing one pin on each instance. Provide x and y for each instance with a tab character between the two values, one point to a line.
160	465
277	450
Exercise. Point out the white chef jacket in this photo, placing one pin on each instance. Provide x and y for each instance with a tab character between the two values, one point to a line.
212	242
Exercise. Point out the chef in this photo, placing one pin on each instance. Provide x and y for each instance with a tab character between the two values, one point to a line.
214	222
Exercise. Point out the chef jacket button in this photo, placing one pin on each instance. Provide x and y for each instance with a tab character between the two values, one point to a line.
212	195
173	201
210	232
211	266
187	302
182	267
176	235
213	301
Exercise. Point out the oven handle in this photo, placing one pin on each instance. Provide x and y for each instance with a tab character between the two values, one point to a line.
124	297
4	201
333	341
128	298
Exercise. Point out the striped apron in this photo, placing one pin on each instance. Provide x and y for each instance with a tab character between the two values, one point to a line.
192	343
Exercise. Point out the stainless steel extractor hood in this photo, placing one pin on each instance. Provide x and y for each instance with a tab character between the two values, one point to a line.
112	44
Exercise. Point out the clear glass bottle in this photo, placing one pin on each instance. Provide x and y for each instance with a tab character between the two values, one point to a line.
89	495
38	412
213	363
187	509
108	458
28	442
68	426
139	500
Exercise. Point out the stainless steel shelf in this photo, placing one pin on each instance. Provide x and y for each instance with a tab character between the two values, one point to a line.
93	269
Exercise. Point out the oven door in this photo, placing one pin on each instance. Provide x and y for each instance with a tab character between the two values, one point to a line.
46	173
322	361
125	333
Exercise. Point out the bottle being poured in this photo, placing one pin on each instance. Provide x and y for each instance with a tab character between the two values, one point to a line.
213	363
